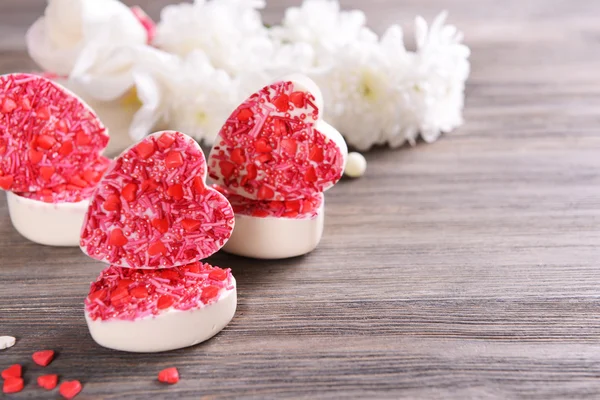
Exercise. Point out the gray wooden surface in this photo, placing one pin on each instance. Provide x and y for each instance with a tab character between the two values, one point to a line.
469	268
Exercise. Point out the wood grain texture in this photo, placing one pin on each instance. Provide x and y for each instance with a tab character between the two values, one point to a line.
469	268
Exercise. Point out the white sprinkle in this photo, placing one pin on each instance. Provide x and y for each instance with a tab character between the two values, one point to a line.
6	342
356	165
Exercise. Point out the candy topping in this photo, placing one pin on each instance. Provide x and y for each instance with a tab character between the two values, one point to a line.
14	371
12	385
153	209
169	375
130	294
80	187
294	209
47	134
47	382
69	389
272	148
43	358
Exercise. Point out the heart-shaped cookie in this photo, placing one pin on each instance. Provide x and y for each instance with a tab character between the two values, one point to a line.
275	146
47	134
153	208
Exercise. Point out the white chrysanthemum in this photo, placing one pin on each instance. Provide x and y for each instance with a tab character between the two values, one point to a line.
89	41
188	95
357	95
203	98
322	25
378	92
230	32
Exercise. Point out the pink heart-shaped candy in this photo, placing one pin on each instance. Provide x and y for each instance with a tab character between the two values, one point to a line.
153	208
275	146
47	134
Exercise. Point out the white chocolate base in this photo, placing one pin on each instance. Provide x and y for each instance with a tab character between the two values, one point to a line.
272	238
51	224
171	330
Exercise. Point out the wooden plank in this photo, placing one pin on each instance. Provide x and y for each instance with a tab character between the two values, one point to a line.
463	269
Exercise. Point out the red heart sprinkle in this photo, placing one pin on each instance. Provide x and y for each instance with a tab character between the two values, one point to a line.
145	150
209	292
298	99
175	191
47	172
156	248
69	389
164	301
165	140
290	146
139	292
174	159
8	105
129	192
117	238
112	203
47	382
12	385
14	371
82	139
161	225
43	358
46	142
265	193
6	182
281	102
169	375
237	156
218	274
190	225
245	114
35	156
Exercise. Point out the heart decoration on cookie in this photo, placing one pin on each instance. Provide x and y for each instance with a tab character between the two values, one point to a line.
153	208
275	146
46	134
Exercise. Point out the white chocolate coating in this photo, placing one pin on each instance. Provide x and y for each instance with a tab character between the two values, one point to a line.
170	330
272	238
51	224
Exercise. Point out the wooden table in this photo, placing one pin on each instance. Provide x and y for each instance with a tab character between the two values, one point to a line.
469	268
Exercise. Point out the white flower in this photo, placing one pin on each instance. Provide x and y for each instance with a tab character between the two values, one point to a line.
202	98
230	32
428	84
88	40
322	25
357	94
188	95
378	92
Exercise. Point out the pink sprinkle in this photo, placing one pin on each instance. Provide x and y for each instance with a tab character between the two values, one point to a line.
187	285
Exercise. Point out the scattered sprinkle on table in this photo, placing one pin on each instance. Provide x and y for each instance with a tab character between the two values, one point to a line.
43	358
47	382
6	342
169	375
70	389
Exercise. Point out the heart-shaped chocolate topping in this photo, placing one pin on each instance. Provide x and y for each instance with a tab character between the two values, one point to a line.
47	134
275	146
153	208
